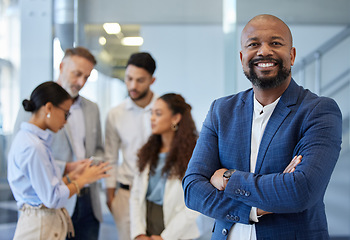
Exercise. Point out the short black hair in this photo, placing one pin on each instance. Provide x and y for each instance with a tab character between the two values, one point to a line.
143	60
44	93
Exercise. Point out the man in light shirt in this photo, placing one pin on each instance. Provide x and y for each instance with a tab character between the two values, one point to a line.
81	138
264	156
127	129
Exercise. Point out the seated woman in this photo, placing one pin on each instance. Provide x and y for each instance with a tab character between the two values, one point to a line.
35	180
157	207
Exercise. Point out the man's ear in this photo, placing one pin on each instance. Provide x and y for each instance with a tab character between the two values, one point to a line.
293	53
61	66
153	80
241	57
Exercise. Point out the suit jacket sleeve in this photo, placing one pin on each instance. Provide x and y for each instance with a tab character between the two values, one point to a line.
112	146
200	195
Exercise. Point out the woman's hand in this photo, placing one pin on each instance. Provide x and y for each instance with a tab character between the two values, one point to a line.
92	173
71	166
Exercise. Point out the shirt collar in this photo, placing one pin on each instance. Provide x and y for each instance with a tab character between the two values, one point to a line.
77	103
259	109
46	136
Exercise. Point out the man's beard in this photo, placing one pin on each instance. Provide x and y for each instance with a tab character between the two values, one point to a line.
268	82
142	95
68	87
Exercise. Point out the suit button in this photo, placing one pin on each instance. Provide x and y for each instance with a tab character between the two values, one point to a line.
228	217
238	191
247	194
236	218
242	192
224	231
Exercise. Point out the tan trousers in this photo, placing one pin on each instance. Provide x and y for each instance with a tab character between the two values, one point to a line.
121	213
41	223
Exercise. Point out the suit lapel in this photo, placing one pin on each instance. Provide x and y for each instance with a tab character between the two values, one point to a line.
88	126
245	130
282	110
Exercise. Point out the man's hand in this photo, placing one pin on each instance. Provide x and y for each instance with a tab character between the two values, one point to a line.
156	237
110	196
260	212
142	237
291	167
218	181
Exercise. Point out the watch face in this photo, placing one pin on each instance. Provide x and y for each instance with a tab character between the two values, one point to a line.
229	173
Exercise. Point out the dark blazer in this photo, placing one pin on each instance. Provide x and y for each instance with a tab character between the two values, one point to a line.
301	124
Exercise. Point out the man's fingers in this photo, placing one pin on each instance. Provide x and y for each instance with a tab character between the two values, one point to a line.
291	167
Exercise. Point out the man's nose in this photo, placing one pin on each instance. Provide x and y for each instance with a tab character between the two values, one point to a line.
264	50
133	84
82	80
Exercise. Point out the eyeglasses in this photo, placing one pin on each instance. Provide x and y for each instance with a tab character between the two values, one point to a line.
66	113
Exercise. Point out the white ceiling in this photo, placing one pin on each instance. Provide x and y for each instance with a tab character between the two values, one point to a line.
297	11
132	14
210	11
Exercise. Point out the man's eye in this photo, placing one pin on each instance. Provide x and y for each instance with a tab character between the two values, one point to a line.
252	45
277	44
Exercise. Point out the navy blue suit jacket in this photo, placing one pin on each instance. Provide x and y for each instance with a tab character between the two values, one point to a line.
301	124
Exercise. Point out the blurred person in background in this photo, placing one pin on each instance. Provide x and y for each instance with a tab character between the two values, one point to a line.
79	140
127	130
157	207
35	179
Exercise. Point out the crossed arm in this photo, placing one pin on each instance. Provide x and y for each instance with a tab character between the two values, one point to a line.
220	182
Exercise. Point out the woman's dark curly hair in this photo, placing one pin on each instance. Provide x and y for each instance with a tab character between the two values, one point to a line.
182	145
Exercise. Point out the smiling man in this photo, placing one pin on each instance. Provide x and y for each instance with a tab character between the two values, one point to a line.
264	157
127	129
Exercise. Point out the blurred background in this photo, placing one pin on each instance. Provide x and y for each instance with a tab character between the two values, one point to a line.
196	46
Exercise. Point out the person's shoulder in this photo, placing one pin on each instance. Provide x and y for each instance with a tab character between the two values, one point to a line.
88	102
311	98
234	99
26	140
120	108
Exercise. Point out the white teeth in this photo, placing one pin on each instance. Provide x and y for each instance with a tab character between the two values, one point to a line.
264	65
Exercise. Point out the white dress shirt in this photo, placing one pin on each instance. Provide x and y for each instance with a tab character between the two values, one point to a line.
261	116
128	128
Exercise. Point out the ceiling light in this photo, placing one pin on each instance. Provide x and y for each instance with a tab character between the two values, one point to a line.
132	41
112	28
102	41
